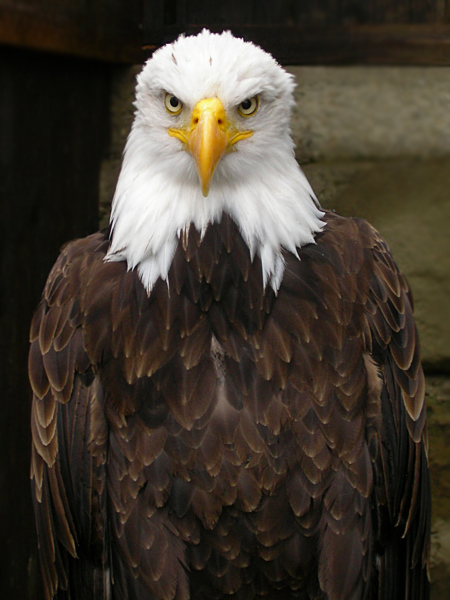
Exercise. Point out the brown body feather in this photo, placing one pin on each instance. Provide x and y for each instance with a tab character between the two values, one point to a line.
217	440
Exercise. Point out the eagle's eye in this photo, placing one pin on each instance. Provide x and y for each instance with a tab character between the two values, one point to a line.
172	104
248	107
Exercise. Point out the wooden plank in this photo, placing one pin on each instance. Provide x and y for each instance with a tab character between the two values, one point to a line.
385	44
54	119
108	30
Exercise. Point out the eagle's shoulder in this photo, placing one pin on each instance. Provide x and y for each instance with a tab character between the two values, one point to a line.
331	279
66	412
57	350
55	327
67	274
355	253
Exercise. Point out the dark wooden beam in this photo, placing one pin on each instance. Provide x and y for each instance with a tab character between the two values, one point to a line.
54	119
369	44
107	30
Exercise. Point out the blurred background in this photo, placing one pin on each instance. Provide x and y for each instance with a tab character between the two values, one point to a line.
372	128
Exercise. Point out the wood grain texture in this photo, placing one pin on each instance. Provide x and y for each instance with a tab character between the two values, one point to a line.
107	30
404	32
47	104
217	440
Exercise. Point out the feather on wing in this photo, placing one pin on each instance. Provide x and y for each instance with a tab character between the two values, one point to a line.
228	429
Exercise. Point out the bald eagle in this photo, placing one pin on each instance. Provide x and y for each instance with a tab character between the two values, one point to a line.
228	395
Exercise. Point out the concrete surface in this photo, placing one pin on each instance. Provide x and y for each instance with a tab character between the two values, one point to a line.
371	112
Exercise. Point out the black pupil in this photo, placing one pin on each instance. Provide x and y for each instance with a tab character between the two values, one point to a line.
174	102
246	104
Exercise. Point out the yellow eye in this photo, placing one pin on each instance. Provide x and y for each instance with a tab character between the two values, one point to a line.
172	104
248	107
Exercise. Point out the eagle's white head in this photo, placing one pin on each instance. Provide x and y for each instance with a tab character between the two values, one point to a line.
211	134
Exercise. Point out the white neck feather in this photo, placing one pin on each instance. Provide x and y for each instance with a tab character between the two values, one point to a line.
158	196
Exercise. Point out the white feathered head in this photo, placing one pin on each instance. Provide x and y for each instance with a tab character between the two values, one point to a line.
211	135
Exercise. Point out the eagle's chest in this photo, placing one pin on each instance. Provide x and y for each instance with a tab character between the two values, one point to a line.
237	398
249	400
248	418
265	431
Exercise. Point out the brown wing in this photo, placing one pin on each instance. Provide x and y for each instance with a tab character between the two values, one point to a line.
402	477
96	441
216	395
358	367
68	430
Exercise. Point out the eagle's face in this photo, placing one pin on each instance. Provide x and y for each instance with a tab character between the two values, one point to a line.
211	135
225	102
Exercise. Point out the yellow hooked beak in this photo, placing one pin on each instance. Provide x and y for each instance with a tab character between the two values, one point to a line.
208	137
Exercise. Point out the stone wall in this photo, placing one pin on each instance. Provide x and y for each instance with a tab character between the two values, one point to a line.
375	143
